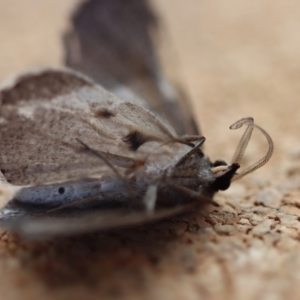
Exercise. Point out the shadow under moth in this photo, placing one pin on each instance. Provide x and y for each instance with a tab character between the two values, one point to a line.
76	158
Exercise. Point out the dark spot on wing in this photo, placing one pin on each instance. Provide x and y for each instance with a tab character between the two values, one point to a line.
45	85
61	190
104	113
3	171
135	139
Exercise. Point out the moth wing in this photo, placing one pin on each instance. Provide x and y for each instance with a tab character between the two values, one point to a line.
36	224
44	115
123	45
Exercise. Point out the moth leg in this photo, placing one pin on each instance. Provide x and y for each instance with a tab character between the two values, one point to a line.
193	196
187	139
7	191
101	157
74	203
150	197
2	178
195	149
124	179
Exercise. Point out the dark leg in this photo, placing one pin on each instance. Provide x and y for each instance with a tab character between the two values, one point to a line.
196	148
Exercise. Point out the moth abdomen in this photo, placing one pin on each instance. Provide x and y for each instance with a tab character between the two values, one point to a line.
59	193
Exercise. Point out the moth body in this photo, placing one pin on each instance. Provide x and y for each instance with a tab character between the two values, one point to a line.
114	152
59	193
195	174
121	135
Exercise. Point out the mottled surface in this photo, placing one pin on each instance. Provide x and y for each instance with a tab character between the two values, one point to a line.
238	58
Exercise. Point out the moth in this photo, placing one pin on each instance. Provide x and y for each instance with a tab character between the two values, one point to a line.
77	158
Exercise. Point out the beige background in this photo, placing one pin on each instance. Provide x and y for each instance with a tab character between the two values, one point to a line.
238	58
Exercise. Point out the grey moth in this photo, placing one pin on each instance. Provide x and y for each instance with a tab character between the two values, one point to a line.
115	147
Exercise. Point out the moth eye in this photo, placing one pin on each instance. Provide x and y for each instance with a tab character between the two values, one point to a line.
61	190
223	181
2	171
103	113
134	140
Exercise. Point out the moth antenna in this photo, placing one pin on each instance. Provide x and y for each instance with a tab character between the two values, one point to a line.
241	148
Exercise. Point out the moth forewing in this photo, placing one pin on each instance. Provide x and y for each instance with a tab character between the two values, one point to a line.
59	116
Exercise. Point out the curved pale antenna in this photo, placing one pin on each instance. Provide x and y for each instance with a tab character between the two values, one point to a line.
241	148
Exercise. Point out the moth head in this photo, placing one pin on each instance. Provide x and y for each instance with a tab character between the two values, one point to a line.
223	174
226	173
